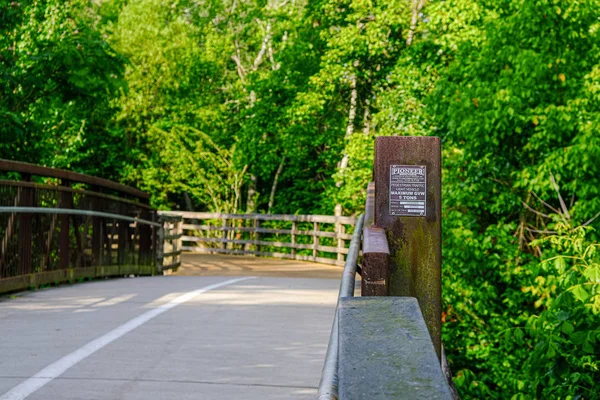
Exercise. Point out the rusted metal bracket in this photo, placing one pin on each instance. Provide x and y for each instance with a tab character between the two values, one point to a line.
376	263
375	267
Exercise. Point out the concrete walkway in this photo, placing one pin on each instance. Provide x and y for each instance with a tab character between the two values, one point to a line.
171	338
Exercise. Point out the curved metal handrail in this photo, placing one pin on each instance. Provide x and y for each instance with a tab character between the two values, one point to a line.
68	211
32	169
67	189
328	386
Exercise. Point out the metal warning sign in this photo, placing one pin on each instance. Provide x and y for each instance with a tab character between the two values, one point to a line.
408	190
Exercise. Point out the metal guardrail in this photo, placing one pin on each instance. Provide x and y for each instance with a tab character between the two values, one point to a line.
328	386
27	170
71	226
66	211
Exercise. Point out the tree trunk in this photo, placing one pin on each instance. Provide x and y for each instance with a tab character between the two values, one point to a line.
274	186
188	202
251	200
416	9
352	112
350	128
367	120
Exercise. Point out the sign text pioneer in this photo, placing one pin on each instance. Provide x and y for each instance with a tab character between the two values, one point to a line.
408	190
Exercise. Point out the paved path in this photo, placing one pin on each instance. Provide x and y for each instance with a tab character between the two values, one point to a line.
171	338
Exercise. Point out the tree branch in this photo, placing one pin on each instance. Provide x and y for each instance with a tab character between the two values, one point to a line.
274	66
238	61
560	199
417	6
589	221
263	48
535	211
539	231
546	204
367	119
350	127
274	186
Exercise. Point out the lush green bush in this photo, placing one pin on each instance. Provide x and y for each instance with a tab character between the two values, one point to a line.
57	78
518	109
564	357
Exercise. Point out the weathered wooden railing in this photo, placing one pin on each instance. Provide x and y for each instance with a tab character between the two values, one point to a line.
58	226
169	254
318	238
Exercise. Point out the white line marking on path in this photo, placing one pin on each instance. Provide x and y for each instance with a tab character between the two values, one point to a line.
54	370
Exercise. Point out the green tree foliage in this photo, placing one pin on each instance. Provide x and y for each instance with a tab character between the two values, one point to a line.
57	77
517	111
564	362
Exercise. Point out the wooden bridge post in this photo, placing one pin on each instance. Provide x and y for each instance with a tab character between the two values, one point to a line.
294	229
97	232
123	239
159	242
339	231
257	247
315	241
407	174
224	233
66	201
178	242
145	244
25	229
156	246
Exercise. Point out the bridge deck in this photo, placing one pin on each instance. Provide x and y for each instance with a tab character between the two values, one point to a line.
224	265
263	337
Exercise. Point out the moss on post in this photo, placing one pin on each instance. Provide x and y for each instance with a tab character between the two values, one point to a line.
414	241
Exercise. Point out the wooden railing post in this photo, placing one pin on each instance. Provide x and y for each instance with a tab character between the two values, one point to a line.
224	233
257	247
178	243
110	238
96	232
97	241
250	225
66	201
25	230
294	229
145	232
408	206
315	240
123	240
339	231
155	237
160	244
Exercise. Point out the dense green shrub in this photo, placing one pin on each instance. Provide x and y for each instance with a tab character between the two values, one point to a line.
564	360
57	79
